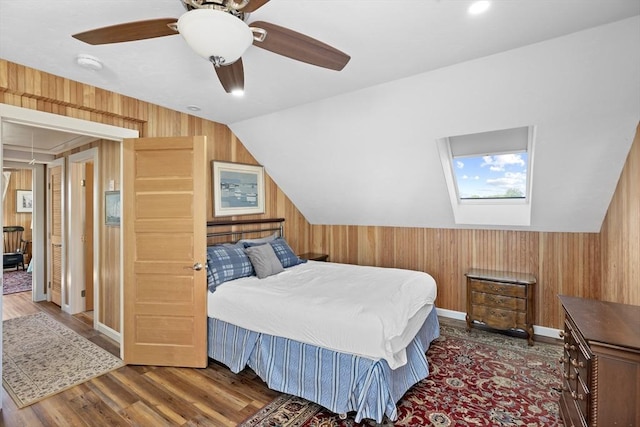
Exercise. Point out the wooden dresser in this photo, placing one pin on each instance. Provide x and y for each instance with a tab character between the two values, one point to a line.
600	364
501	300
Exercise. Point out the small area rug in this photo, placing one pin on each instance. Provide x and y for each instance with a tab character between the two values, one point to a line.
475	379
42	357
15	281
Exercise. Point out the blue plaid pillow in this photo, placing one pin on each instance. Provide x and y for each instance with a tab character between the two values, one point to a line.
285	253
226	263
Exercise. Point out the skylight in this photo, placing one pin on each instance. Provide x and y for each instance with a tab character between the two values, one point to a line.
499	176
488	176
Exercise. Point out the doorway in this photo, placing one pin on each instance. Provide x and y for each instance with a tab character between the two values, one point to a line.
83	230
29	177
42	120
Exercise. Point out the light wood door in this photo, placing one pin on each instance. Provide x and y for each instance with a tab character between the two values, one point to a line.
164	232
55	233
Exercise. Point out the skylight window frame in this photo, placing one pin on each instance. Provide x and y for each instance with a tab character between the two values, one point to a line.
498	212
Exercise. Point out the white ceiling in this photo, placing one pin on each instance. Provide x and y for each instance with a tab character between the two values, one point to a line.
357	146
21	142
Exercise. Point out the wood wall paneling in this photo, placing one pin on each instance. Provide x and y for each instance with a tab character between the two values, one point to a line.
603	265
28	88
620	235
20	180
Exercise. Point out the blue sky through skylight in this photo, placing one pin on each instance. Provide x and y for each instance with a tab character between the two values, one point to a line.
488	177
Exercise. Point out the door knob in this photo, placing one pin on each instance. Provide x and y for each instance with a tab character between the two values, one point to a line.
197	266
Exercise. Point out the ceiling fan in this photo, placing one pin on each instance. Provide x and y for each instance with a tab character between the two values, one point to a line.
216	31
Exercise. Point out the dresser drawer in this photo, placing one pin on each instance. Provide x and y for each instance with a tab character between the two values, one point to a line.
498	318
497	288
569	411
498	301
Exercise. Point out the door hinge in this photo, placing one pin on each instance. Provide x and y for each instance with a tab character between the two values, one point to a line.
49	285
82	294
83	182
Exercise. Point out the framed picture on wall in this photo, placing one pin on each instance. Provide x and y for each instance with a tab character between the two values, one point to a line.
238	189
24	201
112	208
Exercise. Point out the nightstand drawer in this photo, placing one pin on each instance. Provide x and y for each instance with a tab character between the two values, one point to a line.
498	318
497	288
501	300
498	301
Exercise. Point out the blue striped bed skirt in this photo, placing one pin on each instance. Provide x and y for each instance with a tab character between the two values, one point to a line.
340	382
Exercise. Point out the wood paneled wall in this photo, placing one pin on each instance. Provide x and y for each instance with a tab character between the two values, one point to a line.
603	265
25	87
592	265
563	263
20	180
620	235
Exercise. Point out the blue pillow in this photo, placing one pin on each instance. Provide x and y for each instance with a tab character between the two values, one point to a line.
226	262
283	251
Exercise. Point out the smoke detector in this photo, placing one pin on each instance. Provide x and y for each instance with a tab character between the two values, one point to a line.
89	62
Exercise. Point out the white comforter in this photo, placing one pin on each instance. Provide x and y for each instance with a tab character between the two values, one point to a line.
368	311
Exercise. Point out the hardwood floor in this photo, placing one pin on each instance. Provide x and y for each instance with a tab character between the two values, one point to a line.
136	395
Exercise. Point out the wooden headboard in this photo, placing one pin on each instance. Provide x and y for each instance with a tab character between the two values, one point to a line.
232	231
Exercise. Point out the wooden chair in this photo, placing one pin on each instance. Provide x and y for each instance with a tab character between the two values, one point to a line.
14	247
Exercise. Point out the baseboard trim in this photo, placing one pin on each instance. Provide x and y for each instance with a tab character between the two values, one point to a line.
111	333
542	331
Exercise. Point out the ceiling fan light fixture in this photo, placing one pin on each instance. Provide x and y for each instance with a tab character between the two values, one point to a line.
215	34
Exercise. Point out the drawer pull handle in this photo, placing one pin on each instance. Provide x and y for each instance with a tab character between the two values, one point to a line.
562	334
577	396
577	364
569	346
563	360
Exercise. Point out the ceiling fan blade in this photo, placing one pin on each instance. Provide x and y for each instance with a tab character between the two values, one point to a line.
231	76
254	5
129	31
294	45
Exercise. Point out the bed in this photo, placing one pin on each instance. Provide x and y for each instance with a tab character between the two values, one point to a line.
350	338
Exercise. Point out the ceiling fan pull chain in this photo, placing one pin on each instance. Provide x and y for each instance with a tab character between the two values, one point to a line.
259	34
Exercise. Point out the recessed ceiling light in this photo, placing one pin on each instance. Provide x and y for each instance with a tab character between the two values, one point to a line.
89	62
479	7
193	108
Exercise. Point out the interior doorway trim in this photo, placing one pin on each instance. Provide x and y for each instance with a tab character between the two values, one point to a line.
56	122
75	221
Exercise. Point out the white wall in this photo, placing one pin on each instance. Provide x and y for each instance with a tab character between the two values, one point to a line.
370	157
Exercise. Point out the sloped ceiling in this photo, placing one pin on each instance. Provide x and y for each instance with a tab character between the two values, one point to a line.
370	157
358	146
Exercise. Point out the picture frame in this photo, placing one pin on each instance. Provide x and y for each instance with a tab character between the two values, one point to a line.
112	208
238	189
24	201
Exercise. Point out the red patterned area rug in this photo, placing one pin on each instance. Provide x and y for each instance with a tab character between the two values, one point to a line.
15	281
476	379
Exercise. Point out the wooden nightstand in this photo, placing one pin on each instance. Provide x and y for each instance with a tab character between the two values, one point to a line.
314	256
501	300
